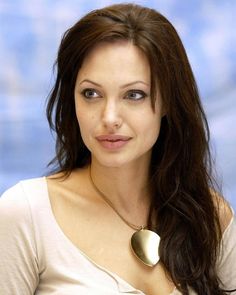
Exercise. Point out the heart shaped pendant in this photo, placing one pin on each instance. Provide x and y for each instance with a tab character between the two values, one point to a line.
144	244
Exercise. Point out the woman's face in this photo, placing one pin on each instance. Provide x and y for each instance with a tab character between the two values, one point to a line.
113	104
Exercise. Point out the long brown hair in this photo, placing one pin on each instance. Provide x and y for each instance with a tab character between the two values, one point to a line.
180	171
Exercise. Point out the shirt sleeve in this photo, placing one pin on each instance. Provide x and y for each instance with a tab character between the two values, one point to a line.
18	255
227	259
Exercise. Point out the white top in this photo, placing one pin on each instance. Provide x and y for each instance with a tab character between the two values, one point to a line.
37	258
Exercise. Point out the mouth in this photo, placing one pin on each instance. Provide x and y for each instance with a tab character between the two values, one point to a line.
113	138
113	141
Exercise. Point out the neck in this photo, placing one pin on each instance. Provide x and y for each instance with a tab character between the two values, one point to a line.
125	187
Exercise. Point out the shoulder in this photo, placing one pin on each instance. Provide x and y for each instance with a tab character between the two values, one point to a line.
223	210
19	257
20	209
63	183
23	187
226	268
15	202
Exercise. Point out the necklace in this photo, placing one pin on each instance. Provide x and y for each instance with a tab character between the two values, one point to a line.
144	242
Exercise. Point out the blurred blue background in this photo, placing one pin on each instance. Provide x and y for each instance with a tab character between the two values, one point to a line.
30	33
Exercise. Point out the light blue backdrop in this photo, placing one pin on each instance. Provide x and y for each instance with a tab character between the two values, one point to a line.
30	32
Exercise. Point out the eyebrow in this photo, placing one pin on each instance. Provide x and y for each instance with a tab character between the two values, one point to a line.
123	86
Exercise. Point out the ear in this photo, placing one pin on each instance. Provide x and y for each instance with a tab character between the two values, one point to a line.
163	111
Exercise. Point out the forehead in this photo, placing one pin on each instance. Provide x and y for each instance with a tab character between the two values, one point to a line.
120	58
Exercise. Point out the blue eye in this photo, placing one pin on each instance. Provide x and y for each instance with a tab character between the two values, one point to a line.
135	95
90	93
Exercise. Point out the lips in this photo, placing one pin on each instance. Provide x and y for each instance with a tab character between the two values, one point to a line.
112	137
113	141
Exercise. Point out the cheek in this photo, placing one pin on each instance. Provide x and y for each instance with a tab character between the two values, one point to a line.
81	118
152	130
83	127
150	121
86	122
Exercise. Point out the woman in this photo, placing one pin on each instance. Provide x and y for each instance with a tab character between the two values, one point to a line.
131	207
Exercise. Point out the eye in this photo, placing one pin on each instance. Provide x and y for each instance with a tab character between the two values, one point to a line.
135	95
90	93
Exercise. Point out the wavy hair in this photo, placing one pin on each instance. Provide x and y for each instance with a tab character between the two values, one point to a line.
180	170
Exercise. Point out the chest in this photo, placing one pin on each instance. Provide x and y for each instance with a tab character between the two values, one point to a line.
105	240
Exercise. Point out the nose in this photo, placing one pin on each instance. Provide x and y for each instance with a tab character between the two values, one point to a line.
111	116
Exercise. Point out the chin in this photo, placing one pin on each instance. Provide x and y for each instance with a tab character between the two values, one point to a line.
112	161
112	164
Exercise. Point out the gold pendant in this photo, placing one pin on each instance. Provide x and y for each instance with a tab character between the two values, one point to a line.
144	244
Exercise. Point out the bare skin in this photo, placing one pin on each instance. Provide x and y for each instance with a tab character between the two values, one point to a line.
112	98
86	219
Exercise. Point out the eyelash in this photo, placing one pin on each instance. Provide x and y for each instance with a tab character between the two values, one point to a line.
133	91
127	95
89	90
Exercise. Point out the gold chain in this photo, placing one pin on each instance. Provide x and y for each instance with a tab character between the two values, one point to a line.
104	197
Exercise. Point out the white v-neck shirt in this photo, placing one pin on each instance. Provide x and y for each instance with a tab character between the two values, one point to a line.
36	257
